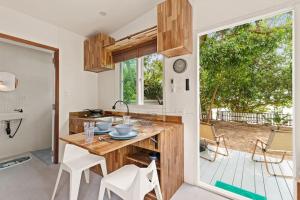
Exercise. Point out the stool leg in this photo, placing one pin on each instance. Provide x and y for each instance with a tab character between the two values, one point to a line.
74	184
158	192
101	192
87	175
104	172
57	182
103	167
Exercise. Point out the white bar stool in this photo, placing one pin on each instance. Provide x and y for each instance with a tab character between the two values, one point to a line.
75	161
131	182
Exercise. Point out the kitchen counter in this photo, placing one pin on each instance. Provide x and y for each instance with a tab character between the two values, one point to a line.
104	147
164	136
76	119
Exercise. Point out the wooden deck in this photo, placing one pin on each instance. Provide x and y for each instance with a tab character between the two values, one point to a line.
239	170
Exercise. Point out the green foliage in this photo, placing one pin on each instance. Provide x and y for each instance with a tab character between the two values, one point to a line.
129	70
250	66
153	78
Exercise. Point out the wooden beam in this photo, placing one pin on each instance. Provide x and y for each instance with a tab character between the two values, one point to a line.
138	33
135	39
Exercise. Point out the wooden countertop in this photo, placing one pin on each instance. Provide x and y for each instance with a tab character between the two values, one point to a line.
104	147
151	117
87	118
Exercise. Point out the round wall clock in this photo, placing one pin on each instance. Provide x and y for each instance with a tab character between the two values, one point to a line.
179	65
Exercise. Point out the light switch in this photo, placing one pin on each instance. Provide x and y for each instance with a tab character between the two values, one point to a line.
187	84
172	85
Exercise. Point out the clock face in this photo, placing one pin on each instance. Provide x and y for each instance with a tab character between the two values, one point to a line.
179	65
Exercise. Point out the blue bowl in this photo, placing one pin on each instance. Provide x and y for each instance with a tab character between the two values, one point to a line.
123	129
103	125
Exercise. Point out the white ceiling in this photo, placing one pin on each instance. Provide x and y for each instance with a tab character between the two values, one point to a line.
82	16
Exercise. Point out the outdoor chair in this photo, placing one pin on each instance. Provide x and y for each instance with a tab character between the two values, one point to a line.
279	142
208	136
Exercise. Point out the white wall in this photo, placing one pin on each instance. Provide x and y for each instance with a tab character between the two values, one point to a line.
207	15
78	89
35	72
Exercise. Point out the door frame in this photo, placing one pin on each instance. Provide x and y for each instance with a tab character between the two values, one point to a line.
237	22
55	52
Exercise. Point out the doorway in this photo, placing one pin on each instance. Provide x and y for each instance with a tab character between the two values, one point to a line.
246	93
55	62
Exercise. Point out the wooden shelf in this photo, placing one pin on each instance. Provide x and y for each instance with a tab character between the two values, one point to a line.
142	158
149	144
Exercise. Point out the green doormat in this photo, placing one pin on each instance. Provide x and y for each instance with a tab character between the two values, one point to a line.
239	191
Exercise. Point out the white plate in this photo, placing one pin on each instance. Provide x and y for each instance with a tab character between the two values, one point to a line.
98	131
115	134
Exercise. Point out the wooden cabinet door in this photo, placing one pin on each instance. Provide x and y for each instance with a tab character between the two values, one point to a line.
174	28
96	58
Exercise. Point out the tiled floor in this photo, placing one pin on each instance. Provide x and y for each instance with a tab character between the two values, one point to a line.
34	180
44	155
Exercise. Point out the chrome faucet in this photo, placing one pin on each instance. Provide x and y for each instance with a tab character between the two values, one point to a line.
120	101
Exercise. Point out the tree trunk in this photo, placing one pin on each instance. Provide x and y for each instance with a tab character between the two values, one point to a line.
212	103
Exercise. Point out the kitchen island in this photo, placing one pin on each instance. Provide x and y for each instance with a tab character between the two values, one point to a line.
164	138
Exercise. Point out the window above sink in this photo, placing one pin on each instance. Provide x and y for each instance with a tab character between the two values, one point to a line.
141	80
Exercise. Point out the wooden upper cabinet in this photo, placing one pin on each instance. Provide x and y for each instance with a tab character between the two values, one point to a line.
174	28
96	57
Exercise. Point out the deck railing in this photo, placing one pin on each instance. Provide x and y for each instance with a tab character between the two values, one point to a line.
249	118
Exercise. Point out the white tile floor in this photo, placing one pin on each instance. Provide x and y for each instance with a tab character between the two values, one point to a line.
34	180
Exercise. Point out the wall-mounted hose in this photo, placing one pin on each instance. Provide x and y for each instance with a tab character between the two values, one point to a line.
8	129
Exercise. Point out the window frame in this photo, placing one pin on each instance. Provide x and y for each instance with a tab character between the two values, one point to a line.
121	81
140	101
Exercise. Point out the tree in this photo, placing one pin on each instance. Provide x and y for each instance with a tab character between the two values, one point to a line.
249	67
153	78
129	80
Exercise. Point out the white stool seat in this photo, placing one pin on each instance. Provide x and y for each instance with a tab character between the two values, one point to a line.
84	162
75	161
131	182
123	177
